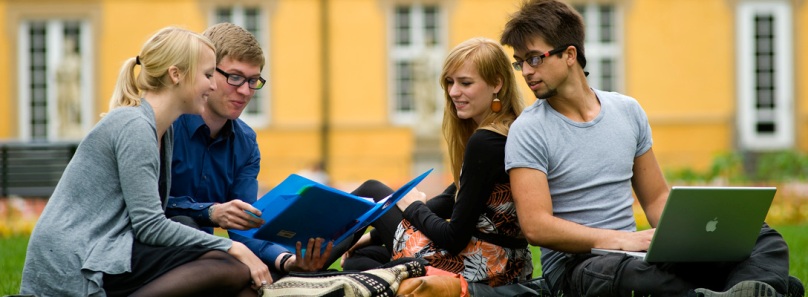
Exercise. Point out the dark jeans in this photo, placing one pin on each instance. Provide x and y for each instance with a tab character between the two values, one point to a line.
621	275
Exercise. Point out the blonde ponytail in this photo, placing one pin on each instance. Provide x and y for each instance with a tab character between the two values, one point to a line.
171	46
126	92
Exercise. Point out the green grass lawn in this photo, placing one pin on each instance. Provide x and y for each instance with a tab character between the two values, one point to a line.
12	255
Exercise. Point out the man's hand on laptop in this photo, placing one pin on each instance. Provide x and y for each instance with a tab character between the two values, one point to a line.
235	214
635	241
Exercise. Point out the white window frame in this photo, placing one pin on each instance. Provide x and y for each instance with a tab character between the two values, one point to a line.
53	57
416	50
748	114
596	51
261	99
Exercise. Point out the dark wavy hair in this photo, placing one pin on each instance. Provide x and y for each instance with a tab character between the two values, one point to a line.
556	22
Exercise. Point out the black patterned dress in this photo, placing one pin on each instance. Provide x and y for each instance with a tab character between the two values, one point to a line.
482	240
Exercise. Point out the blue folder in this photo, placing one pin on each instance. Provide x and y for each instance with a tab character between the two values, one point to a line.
298	209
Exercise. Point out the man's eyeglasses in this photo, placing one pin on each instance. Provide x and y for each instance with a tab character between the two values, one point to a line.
535	61
255	83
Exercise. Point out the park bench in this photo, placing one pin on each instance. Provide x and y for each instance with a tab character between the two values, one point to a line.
32	169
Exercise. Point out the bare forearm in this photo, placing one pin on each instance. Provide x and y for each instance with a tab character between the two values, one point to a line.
566	236
653	210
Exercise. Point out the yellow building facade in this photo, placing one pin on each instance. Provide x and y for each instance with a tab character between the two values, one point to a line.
354	82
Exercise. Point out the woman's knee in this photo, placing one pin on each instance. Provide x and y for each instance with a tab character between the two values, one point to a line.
373	189
228	267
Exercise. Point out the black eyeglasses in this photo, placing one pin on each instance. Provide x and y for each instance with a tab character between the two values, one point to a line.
255	83
535	61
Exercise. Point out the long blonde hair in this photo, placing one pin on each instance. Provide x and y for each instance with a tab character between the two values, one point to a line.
170	46
493	65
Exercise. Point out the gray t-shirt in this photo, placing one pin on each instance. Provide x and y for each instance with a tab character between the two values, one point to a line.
588	165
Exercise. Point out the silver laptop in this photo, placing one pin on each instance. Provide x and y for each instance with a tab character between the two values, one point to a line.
707	224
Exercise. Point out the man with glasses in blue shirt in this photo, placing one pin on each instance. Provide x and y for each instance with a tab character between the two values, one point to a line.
216	157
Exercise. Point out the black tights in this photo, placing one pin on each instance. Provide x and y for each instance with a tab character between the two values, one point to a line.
375	255
215	273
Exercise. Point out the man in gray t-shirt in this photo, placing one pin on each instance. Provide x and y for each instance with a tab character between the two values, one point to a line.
588	165
574	158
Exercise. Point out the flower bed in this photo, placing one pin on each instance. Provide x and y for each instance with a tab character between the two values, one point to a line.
18	215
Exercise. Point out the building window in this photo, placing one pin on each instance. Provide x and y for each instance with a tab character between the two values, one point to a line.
250	18
55	75
603	45
416	48
765	75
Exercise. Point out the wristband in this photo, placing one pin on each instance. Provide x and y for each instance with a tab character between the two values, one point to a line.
282	263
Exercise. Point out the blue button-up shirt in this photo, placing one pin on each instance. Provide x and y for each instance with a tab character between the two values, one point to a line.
205	171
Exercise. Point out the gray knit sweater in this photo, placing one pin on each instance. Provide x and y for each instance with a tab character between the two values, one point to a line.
107	197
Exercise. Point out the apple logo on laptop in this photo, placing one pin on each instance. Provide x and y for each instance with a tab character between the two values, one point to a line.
711	225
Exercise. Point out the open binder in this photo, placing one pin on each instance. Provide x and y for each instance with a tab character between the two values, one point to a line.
299	208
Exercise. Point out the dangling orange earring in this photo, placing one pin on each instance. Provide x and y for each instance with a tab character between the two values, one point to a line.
496	105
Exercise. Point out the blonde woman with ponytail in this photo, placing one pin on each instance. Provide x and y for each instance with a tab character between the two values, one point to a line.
103	231
481	240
